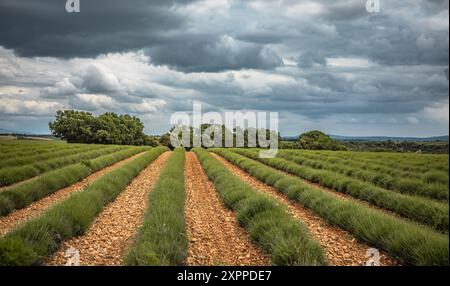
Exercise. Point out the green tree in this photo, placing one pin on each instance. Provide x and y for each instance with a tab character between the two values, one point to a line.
108	128
317	140
151	141
165	140
73	126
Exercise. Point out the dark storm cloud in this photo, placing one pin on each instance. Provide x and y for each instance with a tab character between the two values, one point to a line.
308	58
389	41
43	28
403	33
344	10
210	54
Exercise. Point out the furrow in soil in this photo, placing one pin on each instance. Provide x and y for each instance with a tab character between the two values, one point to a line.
215	236
17	217
341	247
115	227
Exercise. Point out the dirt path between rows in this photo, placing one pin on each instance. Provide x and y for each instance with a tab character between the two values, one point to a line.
15	218
215	237
337	194
341	247
115	227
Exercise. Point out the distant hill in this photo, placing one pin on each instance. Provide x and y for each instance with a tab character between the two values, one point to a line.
376	138
6	131
24	135
386	138
289	138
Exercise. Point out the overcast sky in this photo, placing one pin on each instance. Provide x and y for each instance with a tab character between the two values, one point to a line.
326	65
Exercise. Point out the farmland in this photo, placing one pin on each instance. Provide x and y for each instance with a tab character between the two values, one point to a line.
135	205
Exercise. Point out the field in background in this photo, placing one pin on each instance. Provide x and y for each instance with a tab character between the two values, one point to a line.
382	145
300	208
28	137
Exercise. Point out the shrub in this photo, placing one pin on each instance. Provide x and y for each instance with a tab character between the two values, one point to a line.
161	240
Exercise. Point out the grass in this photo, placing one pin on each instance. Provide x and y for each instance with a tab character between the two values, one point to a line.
419	209
161	240
44	155
13	175
436	177
383	164
22	195
405	162
433	187
268	223
412	243
7	137
36	239
13	152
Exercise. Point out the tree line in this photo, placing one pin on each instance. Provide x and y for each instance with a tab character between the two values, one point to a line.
111	128
249	137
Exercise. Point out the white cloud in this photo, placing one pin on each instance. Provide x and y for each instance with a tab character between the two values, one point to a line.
98	78
59	89
412	119
14	106
91	101
437	112
440	21
349	62
148	106
308	8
